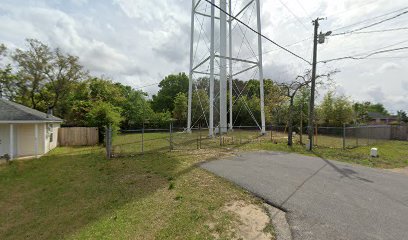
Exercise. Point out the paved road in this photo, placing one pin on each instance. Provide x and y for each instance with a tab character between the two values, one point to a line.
324	199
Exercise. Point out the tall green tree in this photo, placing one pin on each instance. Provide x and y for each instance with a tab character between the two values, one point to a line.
170	86
180	108
7	78
62	72
45	77
32	65
335	110
402	116
362	109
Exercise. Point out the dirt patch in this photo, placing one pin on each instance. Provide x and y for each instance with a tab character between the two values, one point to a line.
400	170
253	221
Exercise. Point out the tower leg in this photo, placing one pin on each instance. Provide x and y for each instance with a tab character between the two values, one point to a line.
230	64
190	82
211	119
223	67
261	84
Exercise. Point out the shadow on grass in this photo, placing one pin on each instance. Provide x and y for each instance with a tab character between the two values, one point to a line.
59	194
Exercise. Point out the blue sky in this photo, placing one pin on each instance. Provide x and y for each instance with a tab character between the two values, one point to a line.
139	42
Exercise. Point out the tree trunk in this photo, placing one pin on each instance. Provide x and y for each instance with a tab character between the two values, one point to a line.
290	122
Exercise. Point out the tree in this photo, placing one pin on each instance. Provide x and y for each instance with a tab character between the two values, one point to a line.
62	72
32	65
335	111
362	109
7	79
402	116
104	114
290	89
45	76
180	108
200	108
170	86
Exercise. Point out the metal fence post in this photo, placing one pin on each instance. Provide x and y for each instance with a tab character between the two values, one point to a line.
108	135
368	136
271	133
240	139
344	136
219	132
199	129
143	138
171	136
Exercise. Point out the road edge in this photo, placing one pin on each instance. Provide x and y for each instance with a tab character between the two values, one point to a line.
279	222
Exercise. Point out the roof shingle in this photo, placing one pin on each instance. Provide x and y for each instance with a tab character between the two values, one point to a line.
11	111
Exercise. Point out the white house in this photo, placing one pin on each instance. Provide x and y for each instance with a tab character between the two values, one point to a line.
25	132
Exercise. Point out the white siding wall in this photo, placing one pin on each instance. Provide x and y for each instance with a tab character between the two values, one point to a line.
24	139
54	143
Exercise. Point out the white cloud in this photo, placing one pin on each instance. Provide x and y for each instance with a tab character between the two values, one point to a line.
404	85
388	66
376	93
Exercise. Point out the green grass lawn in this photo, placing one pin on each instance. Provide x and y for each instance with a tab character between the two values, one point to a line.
75	193
392	154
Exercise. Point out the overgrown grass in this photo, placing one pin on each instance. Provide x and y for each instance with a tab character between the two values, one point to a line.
392	154
75	193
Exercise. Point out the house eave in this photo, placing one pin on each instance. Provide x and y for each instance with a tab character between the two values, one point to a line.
30	121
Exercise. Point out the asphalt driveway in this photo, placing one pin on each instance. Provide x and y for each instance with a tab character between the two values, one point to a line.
323	199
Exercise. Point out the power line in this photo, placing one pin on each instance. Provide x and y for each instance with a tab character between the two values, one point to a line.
253	30
272	50
293	14
369	19
348	10
382	30
147	85
364	57
301	5
371	25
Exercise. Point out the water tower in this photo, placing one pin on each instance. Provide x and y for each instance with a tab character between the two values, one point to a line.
223	47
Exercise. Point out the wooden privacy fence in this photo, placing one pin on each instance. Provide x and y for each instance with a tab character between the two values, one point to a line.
78	136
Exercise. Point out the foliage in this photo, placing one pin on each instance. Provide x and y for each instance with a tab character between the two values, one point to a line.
180	108
200	108
44	76
362	109
170	86
103	114
335	110
7	79
402	116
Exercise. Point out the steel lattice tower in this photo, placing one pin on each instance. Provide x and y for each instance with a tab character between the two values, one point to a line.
221	12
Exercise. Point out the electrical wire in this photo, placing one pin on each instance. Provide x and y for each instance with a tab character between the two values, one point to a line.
371	25
147	86
304	10
293	14
369	19
380	31
253	30
355	57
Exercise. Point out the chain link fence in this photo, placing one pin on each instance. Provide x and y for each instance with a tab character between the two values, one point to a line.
150	140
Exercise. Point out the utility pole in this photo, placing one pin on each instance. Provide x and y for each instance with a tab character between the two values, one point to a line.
313	85
317	38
